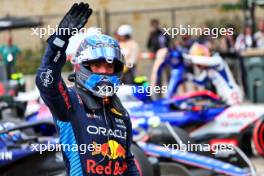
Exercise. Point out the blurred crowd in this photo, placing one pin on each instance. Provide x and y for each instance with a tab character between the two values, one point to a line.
226	44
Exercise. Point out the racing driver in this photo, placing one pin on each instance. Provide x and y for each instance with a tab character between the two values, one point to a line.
89	112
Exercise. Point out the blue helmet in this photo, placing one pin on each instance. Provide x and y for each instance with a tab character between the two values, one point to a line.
96	48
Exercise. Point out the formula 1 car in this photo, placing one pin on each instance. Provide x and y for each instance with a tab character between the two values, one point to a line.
153	156
22	145
153	142
186	163
204	116
17	156
156	147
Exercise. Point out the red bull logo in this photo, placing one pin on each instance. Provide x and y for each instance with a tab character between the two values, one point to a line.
118	169
117	133
111	149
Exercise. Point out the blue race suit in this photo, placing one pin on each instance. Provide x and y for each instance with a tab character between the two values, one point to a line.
83	120
174	60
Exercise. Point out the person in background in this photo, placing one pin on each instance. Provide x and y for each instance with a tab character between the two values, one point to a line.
9	54
259	36
226	45
244	40
156	38
215	70
172	58
130	49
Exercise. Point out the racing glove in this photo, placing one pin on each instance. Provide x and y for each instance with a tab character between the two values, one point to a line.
48	77
72	22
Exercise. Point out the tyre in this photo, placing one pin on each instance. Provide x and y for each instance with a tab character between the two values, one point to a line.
162	135
258	137
21	109
142	162
168	168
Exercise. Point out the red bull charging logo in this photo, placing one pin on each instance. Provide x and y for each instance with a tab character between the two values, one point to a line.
113	150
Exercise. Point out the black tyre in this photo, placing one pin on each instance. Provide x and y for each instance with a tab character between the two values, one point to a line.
42	165
168	168
258	137
162	135
144	166
21	109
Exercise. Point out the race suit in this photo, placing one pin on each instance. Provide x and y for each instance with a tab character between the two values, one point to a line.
83	120
172	58
218	72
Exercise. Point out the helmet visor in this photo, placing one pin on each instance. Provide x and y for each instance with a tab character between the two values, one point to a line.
103	52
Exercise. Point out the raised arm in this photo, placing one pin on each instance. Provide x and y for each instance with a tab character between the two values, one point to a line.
48	80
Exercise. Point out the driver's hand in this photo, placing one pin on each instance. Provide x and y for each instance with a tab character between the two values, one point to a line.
74	20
